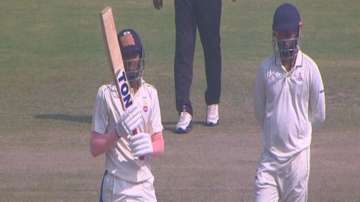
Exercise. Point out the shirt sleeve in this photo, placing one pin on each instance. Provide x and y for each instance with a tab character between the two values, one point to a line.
317	98
155	119
259	97
100	118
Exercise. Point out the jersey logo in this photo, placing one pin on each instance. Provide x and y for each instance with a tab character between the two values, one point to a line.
299	77
145	108
145	104
270	76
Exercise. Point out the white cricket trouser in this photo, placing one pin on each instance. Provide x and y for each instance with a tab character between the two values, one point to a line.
282	181
114	189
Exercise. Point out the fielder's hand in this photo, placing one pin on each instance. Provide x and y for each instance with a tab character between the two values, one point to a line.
141	144
158	4
130	120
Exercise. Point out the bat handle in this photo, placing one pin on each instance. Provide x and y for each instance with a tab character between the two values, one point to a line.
134	132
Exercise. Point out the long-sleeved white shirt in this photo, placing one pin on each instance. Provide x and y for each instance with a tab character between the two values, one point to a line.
288	104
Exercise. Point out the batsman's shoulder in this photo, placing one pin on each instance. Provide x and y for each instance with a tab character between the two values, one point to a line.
106	89
148	86
150	89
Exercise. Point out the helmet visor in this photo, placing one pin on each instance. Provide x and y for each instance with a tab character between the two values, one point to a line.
286	45
134	68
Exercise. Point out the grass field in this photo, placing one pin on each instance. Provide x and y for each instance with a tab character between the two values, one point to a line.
52	62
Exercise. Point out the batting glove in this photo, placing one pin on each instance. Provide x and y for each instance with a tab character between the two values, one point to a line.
130	120
141	144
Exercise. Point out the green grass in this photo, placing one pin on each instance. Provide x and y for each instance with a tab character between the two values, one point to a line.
52	62
53	58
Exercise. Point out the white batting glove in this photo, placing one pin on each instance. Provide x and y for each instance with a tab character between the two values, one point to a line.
141	144
130	120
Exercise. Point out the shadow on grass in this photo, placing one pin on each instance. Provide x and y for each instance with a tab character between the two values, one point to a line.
65	117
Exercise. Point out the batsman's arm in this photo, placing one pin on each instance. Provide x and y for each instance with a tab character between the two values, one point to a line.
100	143
156	126
100	139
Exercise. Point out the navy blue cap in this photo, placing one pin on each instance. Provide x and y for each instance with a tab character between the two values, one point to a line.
286	18
130	43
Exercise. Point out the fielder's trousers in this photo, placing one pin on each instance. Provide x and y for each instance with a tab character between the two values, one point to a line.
191	15
283	181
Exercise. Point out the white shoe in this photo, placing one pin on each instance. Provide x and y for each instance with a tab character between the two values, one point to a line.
212	115
184	123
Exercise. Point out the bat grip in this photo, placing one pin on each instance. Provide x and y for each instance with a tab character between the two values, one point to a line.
134	132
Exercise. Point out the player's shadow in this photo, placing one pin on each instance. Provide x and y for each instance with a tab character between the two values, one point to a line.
65	117
171	125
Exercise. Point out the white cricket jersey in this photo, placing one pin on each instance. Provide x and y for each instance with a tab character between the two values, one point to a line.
119	161
287	104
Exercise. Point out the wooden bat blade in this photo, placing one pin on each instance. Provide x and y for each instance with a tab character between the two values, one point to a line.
115	57
111	40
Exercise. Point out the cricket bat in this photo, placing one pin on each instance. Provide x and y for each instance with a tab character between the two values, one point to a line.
116	61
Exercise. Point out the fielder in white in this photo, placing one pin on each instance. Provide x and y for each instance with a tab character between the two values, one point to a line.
289	101
126	177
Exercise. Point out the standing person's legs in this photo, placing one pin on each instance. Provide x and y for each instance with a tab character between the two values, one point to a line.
209	18
184	53
266	187
294	178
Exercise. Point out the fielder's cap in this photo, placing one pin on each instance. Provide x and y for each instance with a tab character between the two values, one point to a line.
130	43
286	18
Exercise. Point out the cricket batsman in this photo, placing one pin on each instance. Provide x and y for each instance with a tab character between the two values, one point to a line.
289	102
127	175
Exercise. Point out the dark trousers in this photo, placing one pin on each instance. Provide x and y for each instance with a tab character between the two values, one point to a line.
191	15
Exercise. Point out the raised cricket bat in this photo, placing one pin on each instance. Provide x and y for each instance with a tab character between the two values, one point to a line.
116	61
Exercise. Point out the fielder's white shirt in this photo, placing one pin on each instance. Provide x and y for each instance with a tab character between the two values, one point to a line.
119	161
287	104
